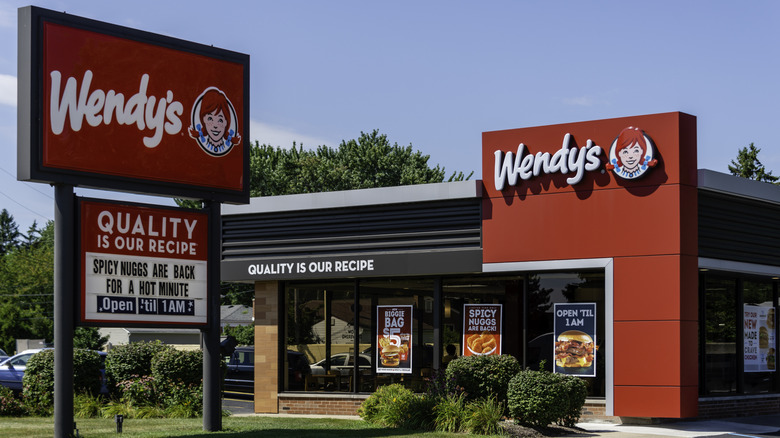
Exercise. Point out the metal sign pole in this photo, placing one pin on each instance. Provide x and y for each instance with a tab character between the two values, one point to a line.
64	227
212	397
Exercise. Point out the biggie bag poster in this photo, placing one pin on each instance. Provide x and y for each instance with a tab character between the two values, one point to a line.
394	339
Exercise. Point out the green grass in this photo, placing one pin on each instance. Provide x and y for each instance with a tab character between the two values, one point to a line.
233	427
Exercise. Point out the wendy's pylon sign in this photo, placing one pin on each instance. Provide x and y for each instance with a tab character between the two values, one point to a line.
109	107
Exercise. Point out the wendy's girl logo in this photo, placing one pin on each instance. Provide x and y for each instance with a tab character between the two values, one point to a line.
214	124
632	154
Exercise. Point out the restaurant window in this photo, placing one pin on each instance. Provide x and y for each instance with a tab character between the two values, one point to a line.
739	335
757	298
544	291
720	335
319	325
333	325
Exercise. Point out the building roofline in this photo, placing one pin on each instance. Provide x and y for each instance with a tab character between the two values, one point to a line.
360	197
733	185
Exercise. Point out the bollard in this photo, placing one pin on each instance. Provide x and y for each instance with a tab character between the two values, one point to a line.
118	419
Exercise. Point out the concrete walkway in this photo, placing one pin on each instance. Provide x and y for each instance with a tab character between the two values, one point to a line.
764	425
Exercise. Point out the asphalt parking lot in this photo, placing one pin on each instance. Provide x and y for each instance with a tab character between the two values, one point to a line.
238	404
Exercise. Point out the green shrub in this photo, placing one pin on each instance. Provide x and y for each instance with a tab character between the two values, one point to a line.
169	366
181	400
10	406
540	398
138	391
125	362
482	377
482	417
87	405
38	380
449	413
391	406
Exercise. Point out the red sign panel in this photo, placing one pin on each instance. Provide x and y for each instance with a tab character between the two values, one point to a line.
143	265
124	107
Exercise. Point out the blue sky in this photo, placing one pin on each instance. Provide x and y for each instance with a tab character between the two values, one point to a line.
436	74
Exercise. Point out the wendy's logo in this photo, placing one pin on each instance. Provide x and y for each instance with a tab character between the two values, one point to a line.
213	123
632	154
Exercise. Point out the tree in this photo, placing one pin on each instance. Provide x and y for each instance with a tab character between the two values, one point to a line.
748	165
9	232
366	162
89	338
27	288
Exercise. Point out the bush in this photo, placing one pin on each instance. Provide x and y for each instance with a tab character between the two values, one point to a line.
394	406
170	366
482	417
38	380
87	405
450	412
10	406
125	362
540	398
482	377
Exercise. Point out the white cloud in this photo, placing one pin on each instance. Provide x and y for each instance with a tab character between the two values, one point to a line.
8	90
279	136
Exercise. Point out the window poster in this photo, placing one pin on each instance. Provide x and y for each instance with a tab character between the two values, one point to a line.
759	338
574	348
394	339
481	329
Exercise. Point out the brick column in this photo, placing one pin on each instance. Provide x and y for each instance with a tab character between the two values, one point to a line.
266	351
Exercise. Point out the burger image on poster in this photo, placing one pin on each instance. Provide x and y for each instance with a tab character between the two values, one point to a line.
574	349
390	355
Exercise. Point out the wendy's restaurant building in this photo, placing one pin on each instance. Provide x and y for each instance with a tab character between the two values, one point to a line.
668	275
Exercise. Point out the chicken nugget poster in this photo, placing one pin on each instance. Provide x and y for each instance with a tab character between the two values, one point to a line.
482	329
394	339
574	347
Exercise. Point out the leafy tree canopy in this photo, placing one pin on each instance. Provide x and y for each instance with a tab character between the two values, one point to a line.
747	165
366	162
27	287
89	338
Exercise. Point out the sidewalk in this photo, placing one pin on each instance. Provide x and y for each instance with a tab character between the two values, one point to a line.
738	426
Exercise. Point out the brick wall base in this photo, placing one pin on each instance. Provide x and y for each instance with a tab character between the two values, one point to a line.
743	406
594	410
341	404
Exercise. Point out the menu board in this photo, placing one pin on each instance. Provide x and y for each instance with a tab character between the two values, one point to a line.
481	329
574	346
759	338
394	339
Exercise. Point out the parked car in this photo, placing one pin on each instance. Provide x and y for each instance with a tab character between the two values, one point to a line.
3	355
241	370
343	363
12	370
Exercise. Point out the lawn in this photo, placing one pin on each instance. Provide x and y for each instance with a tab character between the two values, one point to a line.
234	427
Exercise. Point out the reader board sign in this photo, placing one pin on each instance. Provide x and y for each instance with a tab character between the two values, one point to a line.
142	265
482	329
759	338
574	348
394	339
110	107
